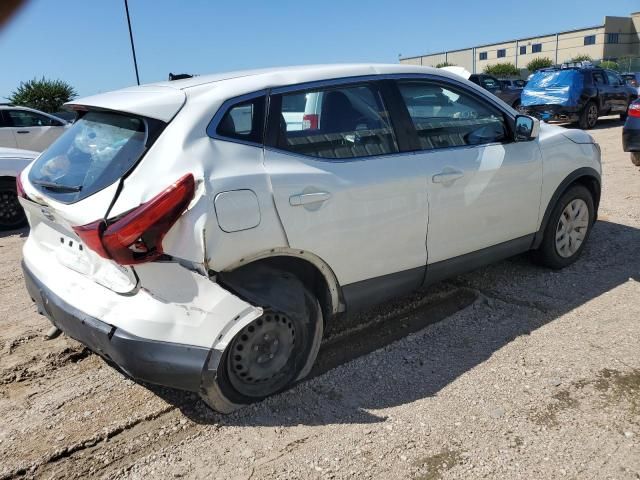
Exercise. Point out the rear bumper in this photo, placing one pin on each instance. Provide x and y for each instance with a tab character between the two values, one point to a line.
553	113
631	139
162	363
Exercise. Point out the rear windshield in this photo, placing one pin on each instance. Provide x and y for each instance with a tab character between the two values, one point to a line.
554	79
93	153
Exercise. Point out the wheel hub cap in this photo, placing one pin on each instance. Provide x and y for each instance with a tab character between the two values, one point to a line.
572	228
262	349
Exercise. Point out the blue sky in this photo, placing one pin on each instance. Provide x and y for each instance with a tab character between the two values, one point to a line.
86	42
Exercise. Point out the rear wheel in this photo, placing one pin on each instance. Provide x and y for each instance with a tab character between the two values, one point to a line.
635	158
269	354
568	228
11	213
589	116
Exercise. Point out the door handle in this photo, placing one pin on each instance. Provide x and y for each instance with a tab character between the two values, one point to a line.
447	176
22	131
308	198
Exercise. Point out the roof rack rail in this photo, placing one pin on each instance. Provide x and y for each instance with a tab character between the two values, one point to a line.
583	64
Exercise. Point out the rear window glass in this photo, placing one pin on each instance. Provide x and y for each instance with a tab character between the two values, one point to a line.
554	79
92	154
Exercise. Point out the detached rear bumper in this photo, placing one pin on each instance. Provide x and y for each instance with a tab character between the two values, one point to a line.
162	363
552	113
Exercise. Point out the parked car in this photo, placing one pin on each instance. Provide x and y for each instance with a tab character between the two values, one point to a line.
28	129
12	162
209	254
510	96
633	80
576	94
631	133
512	83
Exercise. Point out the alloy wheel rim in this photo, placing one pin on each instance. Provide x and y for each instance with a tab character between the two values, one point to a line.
260	352
572	228
11	212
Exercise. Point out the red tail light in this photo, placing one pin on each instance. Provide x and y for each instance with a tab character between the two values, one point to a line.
310	121
634	110
137	236
19	188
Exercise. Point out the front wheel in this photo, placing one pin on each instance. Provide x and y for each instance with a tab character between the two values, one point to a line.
635	158
11	213
589	116
568	229
269	354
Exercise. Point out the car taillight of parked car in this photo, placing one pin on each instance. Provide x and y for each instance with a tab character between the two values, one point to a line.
136	237
634	110
310	121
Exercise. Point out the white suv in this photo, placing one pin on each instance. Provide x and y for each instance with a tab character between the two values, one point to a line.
189	234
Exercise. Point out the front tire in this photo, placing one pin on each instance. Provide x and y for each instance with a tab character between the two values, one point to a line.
11	213
269	354
568	229
589	116
635	158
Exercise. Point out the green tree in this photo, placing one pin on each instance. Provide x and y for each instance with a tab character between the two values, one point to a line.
610	65
45	95
445	64
502	69
581	58
538	63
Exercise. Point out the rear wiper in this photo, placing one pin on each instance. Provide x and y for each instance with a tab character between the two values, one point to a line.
58	187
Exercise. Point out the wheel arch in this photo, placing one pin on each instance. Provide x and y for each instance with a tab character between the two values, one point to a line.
586	176
310	269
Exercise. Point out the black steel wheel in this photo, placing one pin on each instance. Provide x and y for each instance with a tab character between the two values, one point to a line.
259	354
11	213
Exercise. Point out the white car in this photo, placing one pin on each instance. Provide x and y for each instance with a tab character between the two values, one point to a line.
12	162
29	129
208	255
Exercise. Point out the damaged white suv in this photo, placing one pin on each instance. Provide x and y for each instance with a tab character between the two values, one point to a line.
190	234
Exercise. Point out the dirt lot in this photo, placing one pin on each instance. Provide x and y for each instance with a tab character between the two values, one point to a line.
512	371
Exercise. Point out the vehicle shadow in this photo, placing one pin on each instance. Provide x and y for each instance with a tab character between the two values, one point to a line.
21	232
514	298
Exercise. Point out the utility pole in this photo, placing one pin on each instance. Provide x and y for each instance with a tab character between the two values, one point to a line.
133	48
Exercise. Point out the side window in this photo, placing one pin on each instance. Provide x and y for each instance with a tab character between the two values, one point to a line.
445	117
243	121
490	83
337	122
598	78
613	78
23	119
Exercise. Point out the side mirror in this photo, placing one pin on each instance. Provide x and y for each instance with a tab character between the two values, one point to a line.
527	128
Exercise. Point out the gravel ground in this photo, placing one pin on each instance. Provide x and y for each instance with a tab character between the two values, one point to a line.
512	371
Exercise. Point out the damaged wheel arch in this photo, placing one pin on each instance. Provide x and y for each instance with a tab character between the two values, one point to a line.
261	357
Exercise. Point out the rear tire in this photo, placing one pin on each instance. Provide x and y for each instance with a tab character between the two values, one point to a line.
568	229
635	158
11	213
588	116
268	355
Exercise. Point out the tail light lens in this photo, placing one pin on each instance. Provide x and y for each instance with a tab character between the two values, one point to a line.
310	121
137	236
19	188
634	110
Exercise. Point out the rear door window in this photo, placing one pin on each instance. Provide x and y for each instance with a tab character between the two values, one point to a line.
339	122
25	119
92	154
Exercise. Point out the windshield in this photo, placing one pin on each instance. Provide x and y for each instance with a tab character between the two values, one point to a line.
92	154
553	79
